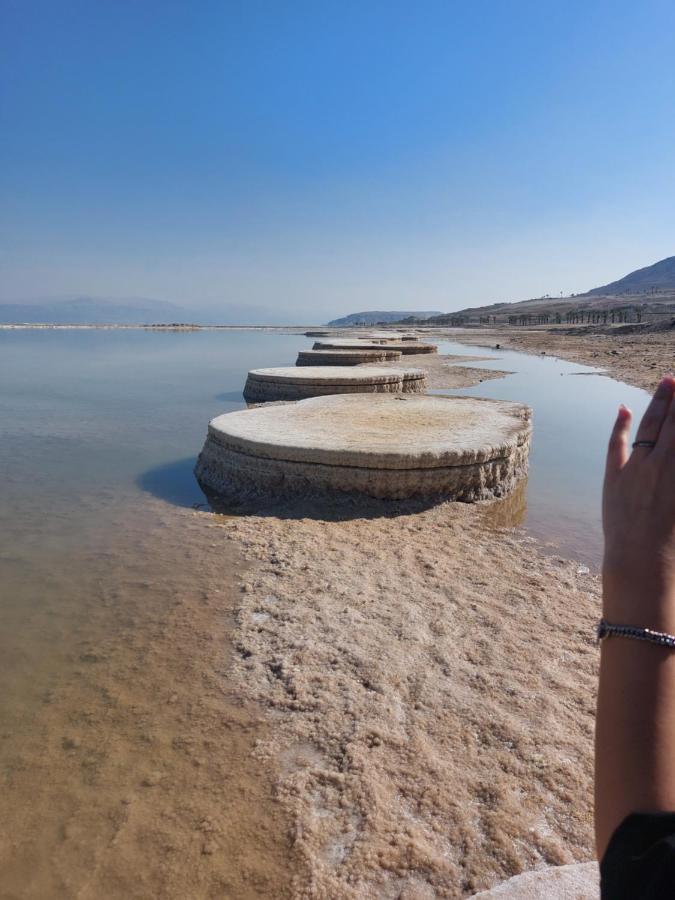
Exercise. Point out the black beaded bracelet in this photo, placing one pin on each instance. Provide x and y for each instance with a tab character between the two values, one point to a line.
605	630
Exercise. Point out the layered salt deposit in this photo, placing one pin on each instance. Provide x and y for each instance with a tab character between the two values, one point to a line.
351	357
384	445
289	383
350	344
403	346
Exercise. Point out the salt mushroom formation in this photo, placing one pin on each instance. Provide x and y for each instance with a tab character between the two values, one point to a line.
403	346
351	344
383	445
350	357
289	383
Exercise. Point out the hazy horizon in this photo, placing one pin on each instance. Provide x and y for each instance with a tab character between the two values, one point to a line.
304	163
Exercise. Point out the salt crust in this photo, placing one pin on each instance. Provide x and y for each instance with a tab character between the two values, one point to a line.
382	445
297	383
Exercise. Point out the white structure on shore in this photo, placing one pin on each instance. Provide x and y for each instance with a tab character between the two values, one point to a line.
293	383
384	445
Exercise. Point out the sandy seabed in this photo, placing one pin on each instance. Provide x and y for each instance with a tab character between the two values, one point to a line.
128	768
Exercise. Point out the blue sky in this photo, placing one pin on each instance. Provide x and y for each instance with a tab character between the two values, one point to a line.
308	159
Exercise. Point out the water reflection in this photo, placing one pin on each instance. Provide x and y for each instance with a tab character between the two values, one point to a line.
231	397
509	512
572	420
175	483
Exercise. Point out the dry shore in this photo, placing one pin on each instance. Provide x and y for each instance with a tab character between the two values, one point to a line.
638	358
429	681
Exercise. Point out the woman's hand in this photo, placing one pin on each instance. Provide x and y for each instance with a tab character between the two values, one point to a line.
638	512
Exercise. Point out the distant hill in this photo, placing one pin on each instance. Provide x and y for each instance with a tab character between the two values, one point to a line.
90	311
658	277
378	316
644	295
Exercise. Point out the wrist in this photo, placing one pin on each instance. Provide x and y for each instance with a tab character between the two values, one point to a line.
638	600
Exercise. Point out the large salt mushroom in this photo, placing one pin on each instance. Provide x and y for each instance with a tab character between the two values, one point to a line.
349	344
350	357
383	445
407	347
288	383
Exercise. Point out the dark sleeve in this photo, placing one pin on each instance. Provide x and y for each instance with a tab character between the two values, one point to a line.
639	863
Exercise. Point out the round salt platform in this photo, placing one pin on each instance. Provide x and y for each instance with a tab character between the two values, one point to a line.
351	357
383	445
288	383
349	344
403	346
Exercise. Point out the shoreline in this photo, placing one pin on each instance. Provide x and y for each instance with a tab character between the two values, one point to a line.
419	669
430	675
637	358
429	678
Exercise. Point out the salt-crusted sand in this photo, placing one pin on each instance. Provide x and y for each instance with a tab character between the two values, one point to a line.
429	678
430	688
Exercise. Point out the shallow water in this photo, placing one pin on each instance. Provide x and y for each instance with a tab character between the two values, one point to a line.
108	599
574	408
127	766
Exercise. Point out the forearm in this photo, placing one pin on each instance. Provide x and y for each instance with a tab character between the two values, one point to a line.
635	733
635	728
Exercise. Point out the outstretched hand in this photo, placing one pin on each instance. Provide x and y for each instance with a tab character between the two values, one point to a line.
638	512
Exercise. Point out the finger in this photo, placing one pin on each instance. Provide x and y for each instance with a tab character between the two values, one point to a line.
617	452
666	442
653	419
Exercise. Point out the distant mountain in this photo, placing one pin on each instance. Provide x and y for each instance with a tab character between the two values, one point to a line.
90	311
659	277
376	317
651	289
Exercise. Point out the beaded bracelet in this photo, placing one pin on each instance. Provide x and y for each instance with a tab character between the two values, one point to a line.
605	630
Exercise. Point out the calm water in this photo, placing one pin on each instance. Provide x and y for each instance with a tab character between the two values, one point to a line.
115	622
89	417
574	408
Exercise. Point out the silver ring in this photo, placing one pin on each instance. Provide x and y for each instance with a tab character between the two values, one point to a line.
649	444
